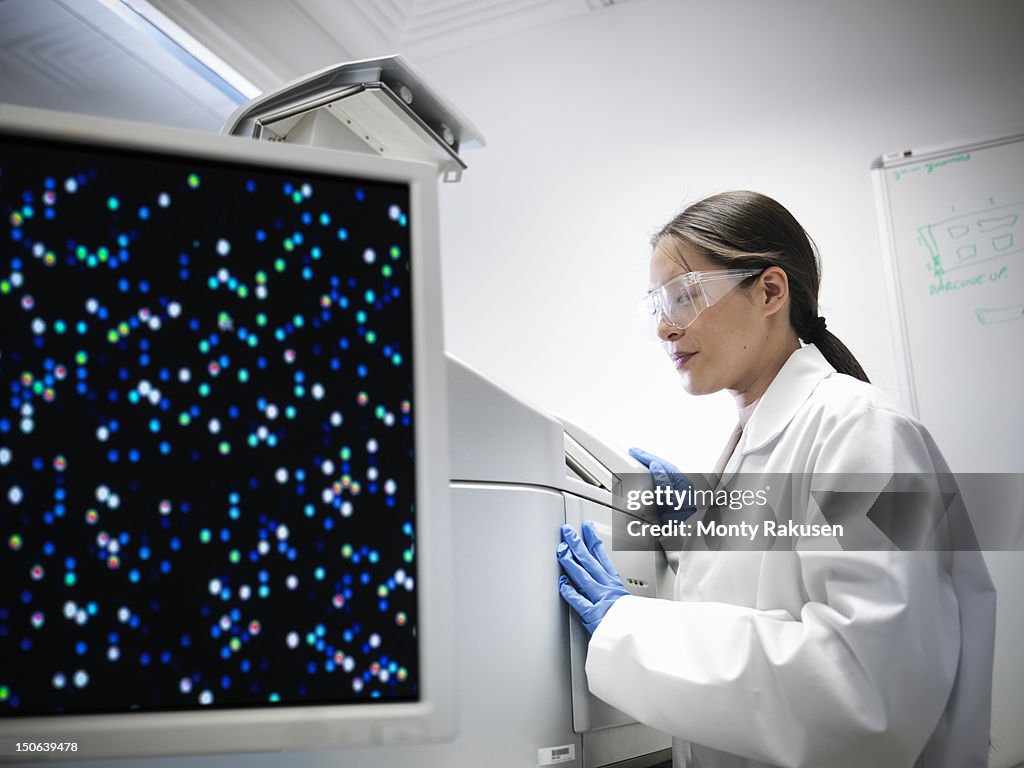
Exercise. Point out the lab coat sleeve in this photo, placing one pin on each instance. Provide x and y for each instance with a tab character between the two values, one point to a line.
860	677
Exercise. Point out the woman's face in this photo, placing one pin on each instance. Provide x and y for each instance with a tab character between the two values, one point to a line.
724	347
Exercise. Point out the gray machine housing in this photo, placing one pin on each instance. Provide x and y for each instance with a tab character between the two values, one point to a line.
518	474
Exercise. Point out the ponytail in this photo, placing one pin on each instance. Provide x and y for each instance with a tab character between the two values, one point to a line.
833	350
748	230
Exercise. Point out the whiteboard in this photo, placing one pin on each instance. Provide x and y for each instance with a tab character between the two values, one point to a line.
952	225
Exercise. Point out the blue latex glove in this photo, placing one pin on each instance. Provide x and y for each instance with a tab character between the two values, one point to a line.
666	475
590	584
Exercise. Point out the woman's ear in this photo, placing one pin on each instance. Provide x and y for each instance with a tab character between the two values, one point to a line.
775	284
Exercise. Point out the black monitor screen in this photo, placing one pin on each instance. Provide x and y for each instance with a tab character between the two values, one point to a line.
206	435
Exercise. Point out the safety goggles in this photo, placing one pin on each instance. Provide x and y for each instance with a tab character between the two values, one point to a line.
681	300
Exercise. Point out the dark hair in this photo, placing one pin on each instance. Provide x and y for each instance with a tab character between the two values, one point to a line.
748	230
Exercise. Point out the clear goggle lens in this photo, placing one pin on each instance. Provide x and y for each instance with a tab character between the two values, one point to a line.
681	300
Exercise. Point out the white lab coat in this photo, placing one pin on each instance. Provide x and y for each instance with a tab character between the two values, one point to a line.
812	658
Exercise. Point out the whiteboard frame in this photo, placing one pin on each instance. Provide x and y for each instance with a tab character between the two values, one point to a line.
887	240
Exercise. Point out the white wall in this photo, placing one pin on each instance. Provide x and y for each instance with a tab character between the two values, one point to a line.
600	128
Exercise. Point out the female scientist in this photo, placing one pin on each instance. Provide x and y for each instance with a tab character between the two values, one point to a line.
807	656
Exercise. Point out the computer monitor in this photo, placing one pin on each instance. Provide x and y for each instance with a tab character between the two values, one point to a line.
223	455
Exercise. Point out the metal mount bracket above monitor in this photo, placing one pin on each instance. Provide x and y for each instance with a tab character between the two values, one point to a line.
376	106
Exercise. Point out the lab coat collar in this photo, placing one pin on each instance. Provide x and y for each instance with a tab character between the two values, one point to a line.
790	388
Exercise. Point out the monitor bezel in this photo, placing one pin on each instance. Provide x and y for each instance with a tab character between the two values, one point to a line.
296	727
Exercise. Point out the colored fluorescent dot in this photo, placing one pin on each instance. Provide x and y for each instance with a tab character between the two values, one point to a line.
113	203
15	542
362	398
193	181
206	698
279	264
386	270
224	448
371	337
205	537
223	247
165	507
407	556
38	619
37	572
69	579
113	562
396	252
234	556
346	551
236	644
369	255
15	495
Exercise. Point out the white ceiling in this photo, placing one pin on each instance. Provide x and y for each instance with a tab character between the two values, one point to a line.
102	57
